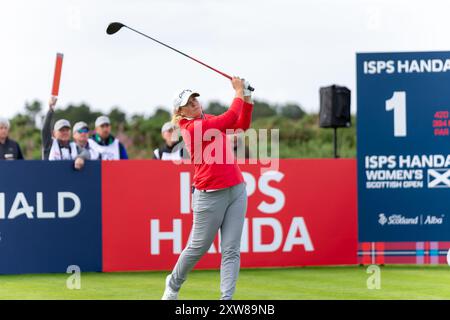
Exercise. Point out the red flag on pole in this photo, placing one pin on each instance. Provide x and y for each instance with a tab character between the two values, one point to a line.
57	75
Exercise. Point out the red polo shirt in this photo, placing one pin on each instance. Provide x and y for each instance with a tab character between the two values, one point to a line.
210	148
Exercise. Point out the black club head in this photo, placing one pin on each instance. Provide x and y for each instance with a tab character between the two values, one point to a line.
114	27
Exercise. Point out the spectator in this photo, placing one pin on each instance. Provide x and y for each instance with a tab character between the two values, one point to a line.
105	143
59	147
173	149
9	149
81	138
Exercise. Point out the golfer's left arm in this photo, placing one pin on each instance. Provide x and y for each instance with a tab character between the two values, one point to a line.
245	117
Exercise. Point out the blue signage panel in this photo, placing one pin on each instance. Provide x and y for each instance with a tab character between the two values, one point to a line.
403	105
50	217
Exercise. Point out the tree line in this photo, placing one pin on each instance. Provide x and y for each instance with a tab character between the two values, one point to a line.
299	132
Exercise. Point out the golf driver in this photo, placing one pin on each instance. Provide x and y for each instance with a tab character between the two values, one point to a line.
116	26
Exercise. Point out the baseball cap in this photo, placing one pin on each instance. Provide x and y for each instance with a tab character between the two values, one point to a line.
167	126
4	122
182	97
80	125
62	123
101	121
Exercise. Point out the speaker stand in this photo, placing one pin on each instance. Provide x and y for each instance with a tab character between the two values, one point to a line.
336	156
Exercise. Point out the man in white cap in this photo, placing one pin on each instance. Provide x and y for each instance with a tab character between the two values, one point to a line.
81	138
59	147
173	148
109	147
9	149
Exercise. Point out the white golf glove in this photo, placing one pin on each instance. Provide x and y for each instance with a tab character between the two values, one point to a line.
247	93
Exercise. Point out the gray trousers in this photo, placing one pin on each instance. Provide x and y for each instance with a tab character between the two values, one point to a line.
225	210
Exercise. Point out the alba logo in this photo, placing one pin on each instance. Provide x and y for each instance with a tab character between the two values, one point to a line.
398	219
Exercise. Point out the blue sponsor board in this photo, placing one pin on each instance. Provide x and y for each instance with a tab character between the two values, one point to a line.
403	106
50	217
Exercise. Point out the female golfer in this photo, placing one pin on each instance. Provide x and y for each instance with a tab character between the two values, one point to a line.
219	199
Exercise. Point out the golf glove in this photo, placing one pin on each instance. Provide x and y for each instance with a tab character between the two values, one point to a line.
247	93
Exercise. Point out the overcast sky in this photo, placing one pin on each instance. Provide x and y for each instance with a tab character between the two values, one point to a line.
286	48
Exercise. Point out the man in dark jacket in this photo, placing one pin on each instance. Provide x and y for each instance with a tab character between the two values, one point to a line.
9	149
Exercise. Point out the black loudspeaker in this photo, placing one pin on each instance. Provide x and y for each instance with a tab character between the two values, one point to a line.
334	107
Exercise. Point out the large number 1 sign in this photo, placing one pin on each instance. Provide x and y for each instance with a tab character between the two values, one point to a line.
398	104
403	104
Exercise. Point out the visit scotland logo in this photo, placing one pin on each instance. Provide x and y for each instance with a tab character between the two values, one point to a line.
398	219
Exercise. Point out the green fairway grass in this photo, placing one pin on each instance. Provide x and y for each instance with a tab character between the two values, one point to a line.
397	282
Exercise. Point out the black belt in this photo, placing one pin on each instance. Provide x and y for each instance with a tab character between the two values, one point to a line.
193	189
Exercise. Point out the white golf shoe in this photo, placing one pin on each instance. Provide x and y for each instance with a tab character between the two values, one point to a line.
169	294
